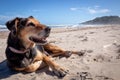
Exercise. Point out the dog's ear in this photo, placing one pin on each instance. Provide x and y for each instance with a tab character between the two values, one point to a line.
12	24
30	17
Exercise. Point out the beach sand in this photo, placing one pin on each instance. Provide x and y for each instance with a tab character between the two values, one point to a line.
101	60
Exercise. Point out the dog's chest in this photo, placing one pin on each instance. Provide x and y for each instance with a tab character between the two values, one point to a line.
22	60
30	55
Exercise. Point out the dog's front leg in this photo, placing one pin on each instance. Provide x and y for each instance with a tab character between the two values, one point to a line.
59	71
57	51
53	48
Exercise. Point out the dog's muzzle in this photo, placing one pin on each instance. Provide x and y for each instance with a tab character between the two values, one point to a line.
41	40
47	30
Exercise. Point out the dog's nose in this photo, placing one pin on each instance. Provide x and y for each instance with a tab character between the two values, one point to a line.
47	29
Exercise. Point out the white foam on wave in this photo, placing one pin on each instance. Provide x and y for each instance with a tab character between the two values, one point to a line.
73	26
3	28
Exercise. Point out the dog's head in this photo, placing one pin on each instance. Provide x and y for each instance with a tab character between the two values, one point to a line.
28	30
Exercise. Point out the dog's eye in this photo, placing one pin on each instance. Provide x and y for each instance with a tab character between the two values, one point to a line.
31	24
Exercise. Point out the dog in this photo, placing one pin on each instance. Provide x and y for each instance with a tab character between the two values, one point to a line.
27	48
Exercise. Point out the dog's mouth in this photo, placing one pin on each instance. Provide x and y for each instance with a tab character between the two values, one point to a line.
38	40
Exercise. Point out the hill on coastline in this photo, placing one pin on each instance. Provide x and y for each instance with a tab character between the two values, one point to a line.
104	20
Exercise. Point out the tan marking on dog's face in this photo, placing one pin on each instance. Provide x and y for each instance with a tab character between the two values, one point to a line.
36	24
32	28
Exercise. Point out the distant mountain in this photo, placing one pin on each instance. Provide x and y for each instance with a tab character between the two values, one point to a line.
104	20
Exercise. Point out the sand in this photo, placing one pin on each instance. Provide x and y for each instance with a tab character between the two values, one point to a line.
101	60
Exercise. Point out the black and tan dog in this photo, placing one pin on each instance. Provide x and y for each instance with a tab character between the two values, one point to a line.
27	47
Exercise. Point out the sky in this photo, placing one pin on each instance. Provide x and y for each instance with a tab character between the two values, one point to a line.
55	12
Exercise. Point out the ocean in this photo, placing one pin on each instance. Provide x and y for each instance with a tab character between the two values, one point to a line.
4	28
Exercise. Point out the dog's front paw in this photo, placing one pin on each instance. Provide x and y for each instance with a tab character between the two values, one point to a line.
68	54
81	53
60	72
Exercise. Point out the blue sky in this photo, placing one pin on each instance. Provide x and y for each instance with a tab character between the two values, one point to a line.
52	12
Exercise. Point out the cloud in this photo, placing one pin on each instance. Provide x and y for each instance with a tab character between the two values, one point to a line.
6	17
74	9
3	17
96	10
35	10
92	10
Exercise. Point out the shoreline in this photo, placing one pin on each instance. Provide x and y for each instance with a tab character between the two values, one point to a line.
71	27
